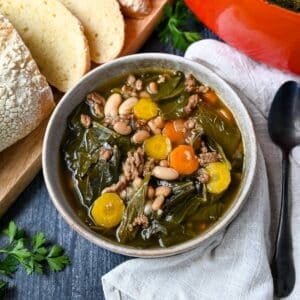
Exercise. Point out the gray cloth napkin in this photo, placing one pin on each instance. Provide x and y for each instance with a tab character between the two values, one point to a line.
236	264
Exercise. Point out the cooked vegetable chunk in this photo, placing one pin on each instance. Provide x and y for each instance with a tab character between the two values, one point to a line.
145	109
175	131
220	178
157	146
184	160
107	210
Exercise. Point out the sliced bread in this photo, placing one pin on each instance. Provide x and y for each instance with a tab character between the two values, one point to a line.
54	36
104	26
25	96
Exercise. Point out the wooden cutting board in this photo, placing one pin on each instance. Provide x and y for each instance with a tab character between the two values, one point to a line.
20	163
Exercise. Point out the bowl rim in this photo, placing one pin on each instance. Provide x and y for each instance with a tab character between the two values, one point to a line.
87	233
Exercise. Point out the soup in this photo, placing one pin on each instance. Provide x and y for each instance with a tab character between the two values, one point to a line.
152	158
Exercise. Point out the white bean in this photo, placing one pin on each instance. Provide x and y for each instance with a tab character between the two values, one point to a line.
140	136
127	106
112	105
165	173
122	128
153	88
158	202
164	163
163	191
150	192
153	127
159	122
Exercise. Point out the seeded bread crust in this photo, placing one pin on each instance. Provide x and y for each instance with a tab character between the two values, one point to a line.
104	26
54	37
25	96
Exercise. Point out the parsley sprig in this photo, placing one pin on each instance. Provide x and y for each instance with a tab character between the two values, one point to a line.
171	26
33	254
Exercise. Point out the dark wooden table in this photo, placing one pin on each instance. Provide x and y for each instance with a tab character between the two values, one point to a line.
35	212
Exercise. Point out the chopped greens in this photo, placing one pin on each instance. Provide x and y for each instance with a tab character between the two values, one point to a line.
171	26
134	209
167	179
33	254
218	129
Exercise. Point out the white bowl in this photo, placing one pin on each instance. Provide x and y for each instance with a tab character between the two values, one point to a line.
58	122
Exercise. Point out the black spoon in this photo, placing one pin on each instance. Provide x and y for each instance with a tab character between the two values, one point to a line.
284	129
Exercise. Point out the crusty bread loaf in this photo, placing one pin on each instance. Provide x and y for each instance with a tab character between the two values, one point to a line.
25	96
54	36
104	26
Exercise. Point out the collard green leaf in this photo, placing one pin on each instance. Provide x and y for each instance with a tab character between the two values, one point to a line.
176	234
171	88
154	228
172	109
209	213
214	146
81	153
216	127
185	208
180	192
103	134
84	190
134	208
74	123
99	175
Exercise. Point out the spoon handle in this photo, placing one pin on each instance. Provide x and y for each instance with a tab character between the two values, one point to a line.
282	265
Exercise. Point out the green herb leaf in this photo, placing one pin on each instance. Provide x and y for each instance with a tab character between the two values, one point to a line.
33	256
3	285
57	264
9	265
171	26
38	240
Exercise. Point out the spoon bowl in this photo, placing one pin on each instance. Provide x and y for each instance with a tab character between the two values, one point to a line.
284	129
284	116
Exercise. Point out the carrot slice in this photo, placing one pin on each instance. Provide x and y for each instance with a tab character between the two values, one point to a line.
211	97
175	131
145	109
184	160
157	146
107	210
220	177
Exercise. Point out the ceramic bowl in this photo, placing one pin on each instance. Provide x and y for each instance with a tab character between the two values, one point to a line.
58	123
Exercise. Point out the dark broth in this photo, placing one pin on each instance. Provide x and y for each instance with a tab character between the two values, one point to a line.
217	129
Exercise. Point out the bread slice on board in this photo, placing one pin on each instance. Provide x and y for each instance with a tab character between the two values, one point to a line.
25	96
54	36
104	26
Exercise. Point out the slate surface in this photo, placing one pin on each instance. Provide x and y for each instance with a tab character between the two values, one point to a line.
34	212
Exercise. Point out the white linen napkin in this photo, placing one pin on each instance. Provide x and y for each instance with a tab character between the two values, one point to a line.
236	264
